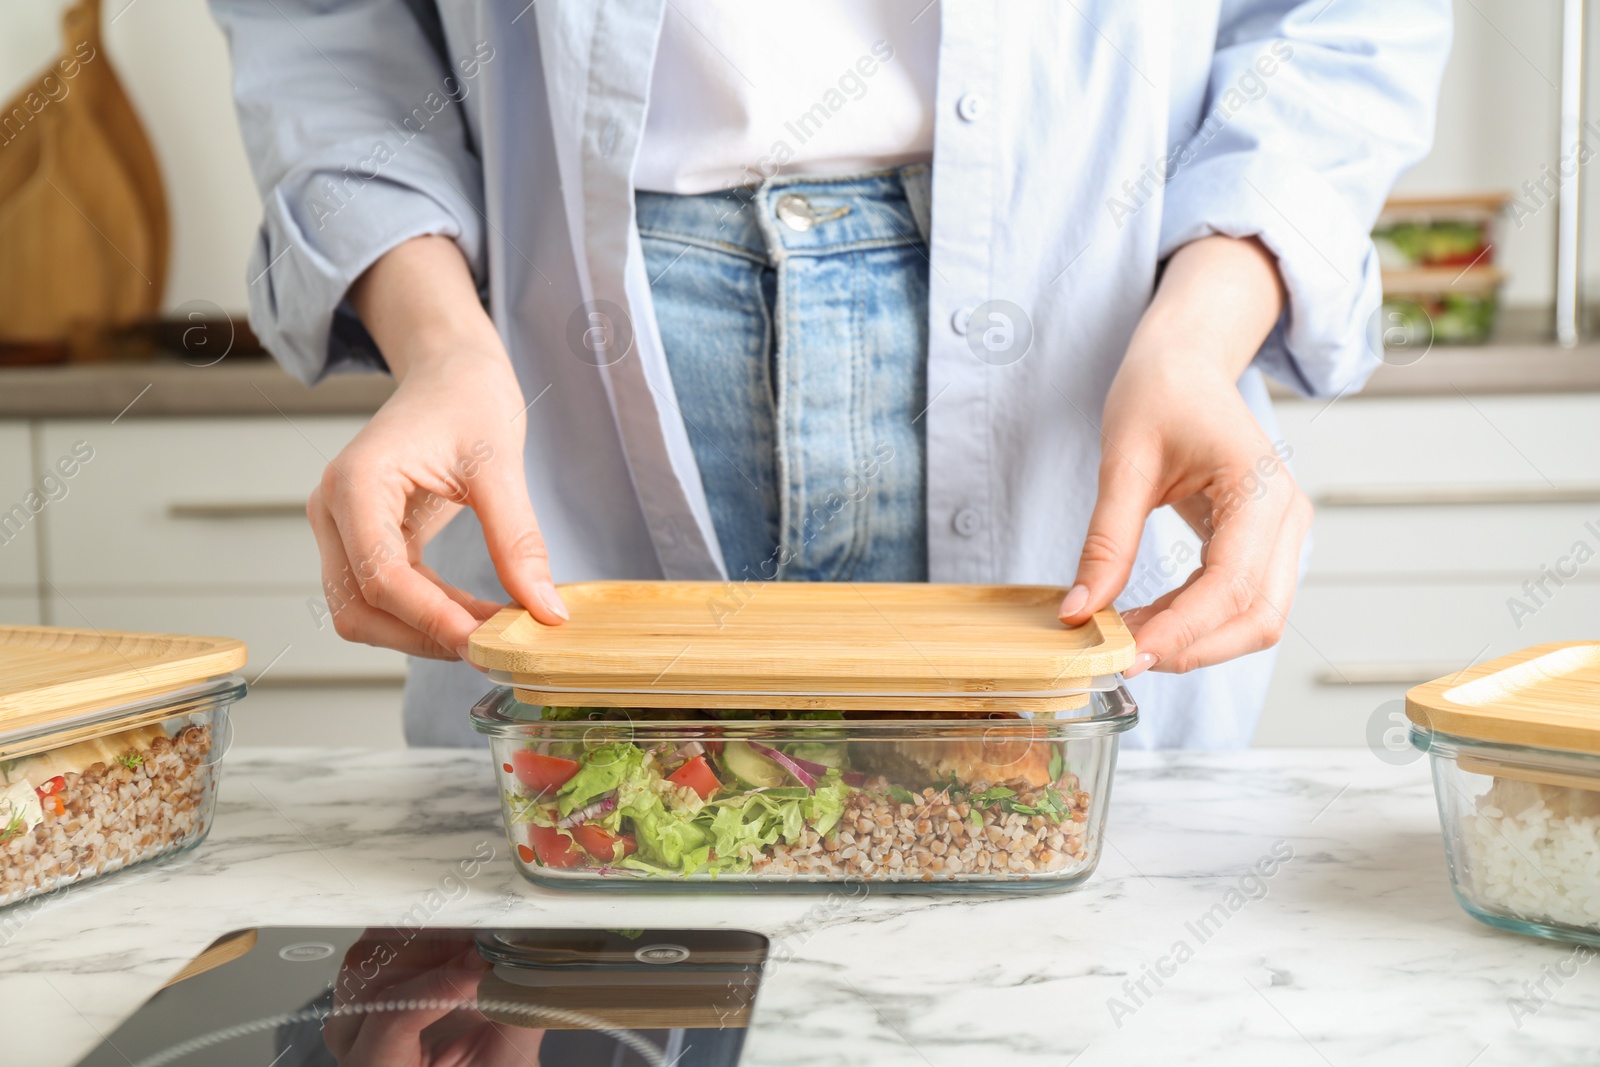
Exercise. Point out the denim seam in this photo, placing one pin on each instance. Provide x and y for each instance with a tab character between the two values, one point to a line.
861	401
700	242
782	394
865	245
770	339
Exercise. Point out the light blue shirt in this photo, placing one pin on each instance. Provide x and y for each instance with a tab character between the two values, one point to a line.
1077	144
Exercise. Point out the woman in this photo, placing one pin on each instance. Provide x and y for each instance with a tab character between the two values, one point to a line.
847	290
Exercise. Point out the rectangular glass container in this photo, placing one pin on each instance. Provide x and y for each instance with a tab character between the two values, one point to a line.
1514	746
645	800
95	794
109	744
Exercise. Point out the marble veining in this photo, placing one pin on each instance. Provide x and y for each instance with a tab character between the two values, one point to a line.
1180	949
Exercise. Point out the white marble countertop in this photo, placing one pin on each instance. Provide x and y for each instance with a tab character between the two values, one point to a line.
1353	952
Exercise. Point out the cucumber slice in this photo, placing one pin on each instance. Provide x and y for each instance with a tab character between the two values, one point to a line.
751	767
827	753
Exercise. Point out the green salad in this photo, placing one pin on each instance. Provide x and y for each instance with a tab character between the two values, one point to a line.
708	807
673	808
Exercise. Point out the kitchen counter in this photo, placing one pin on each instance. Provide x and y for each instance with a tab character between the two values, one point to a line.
1351	952
257	386
1494	369
168	387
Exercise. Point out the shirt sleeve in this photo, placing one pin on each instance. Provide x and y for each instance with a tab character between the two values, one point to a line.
353	122
1312	111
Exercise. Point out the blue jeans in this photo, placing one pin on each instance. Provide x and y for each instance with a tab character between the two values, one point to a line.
794	321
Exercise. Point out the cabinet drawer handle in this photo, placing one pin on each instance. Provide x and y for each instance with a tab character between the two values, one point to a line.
1444	495
1340	675
238	509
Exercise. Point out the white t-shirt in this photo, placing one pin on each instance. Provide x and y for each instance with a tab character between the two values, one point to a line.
743	91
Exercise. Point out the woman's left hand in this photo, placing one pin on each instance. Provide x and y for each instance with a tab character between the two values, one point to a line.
1176	431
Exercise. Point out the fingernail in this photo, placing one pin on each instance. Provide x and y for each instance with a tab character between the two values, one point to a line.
1077	597
473	960
461	650
1141	663
551	600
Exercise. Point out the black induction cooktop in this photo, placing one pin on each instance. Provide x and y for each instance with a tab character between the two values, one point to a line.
413	997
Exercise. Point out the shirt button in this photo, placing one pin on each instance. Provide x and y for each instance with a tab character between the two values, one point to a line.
959	319
967	522
969	107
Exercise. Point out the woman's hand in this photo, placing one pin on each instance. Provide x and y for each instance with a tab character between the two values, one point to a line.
1176	431
450	436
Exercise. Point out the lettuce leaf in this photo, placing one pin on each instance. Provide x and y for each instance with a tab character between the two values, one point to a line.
602	769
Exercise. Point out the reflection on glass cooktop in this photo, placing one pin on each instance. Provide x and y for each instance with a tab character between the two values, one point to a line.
406	997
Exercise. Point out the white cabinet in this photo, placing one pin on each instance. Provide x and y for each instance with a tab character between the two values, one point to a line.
21	504
280	629
19	609
198	526
1432	513
201	504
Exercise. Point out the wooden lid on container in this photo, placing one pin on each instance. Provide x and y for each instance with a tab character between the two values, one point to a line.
1448	204
51	674
1547	696
848	646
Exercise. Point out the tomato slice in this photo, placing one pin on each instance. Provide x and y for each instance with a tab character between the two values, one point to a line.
541	774
553	847
697	775
601	843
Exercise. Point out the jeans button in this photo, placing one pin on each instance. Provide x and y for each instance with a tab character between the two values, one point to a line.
960	318
969	107
967	522
794	211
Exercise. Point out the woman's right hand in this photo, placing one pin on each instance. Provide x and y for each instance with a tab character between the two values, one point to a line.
451	436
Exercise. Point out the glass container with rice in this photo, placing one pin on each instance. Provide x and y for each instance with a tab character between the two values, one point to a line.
1515	750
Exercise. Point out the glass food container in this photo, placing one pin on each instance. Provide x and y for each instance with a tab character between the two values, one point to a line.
1515	749
109	750
1440	281
923	737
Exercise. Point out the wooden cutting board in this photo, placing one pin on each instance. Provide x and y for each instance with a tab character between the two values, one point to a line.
84	230
848	646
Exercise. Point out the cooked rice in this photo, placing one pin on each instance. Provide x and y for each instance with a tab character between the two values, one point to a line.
1533	852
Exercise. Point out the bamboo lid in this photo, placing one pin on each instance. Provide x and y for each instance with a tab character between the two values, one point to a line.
1547	696
51	675
1449	204
849	646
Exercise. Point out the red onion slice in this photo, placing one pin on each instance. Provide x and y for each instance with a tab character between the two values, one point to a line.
819	771
589	811
790	764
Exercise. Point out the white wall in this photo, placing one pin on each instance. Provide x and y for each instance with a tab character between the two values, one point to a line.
173	61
